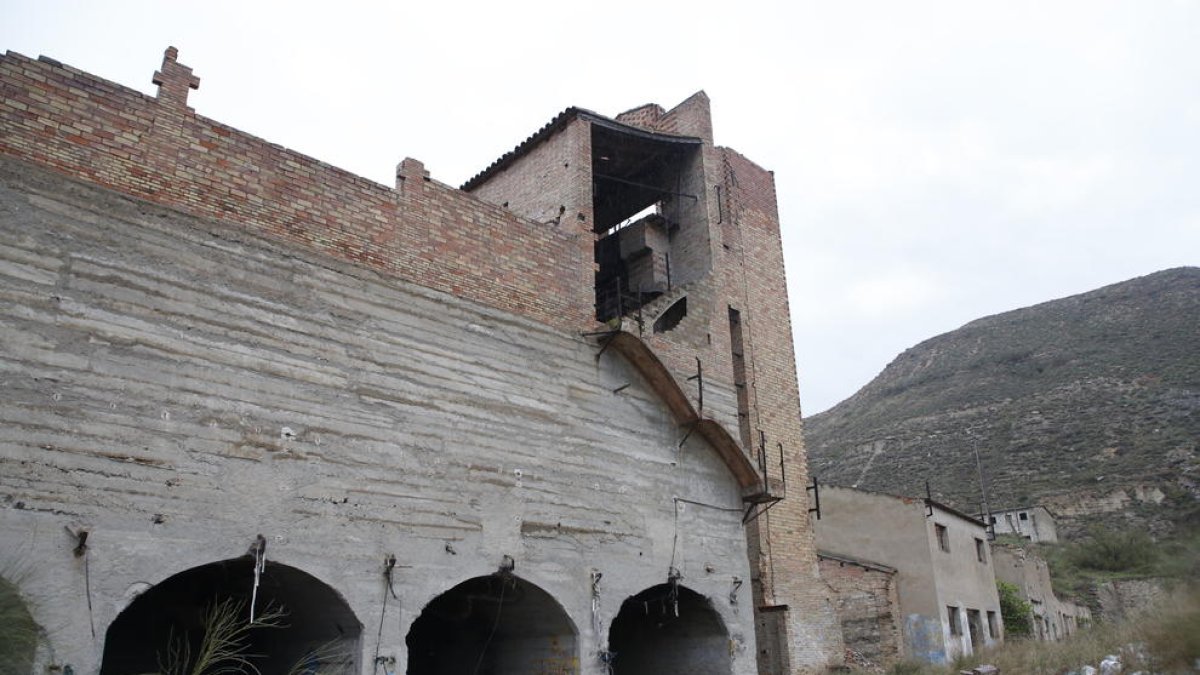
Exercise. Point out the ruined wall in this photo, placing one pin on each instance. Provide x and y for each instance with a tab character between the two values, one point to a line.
867	607
1053	618
891	531
176	387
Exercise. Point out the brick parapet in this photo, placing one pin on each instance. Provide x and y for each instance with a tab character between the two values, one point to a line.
159	150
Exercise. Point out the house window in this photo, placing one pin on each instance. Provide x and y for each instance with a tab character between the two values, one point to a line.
993	629
980	550
1023	516
955	620
943	537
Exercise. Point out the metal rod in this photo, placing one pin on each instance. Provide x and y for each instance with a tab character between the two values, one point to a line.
644	185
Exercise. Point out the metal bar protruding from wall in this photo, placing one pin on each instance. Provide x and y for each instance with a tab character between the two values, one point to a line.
815	488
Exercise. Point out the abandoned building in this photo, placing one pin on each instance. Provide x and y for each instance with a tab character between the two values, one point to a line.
933	560
546	422
1051	619
1035	523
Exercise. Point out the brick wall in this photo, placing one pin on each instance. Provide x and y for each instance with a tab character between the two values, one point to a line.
755	285
160	150
865	597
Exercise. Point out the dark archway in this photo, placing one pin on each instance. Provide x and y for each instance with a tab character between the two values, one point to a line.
665	631
492	625
316	629
18	631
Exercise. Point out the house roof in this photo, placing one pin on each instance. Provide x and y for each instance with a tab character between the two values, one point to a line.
557	123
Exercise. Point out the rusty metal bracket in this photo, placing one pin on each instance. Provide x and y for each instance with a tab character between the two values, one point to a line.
756	509
606	338
815	489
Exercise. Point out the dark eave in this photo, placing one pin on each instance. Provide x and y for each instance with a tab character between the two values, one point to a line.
560	121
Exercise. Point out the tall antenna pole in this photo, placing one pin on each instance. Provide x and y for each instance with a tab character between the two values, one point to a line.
987	511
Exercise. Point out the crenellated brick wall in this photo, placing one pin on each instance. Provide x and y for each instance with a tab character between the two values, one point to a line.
160	150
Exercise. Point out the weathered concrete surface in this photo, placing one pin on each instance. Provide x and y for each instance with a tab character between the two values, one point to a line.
175	388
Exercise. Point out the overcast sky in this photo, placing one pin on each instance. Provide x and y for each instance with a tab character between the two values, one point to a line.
936	161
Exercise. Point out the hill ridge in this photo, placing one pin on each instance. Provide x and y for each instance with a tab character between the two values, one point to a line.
1070	403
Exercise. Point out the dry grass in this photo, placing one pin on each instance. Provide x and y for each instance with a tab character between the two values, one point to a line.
1164	641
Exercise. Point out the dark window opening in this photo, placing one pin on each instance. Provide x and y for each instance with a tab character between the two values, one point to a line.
492	625
953	616
975	625
317	630
638	202
943	537
671	318
737	350
993	627
1023	516
657	633
980	550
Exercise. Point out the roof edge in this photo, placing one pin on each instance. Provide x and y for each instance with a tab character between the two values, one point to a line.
555	125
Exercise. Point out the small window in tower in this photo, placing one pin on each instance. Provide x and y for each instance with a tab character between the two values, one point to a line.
980	550
1024	516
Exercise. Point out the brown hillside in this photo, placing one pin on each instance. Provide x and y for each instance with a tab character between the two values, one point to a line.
1086	404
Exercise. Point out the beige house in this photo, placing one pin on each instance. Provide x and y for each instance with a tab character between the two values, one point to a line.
944	580
1034	523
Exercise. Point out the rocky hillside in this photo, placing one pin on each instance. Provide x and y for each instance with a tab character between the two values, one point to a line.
1089	404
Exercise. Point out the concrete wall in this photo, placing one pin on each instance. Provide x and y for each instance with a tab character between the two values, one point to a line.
176	387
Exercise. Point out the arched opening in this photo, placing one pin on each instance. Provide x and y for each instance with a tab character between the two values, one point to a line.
490	626
667	630
301	624
18	632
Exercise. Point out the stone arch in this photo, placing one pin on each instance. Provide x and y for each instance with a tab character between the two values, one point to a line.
492	625
317	629
667	630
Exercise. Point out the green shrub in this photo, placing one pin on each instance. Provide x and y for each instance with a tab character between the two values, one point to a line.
1014	610
1109	550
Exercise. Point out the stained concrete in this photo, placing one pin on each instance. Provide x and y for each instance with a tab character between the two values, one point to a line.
176	387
